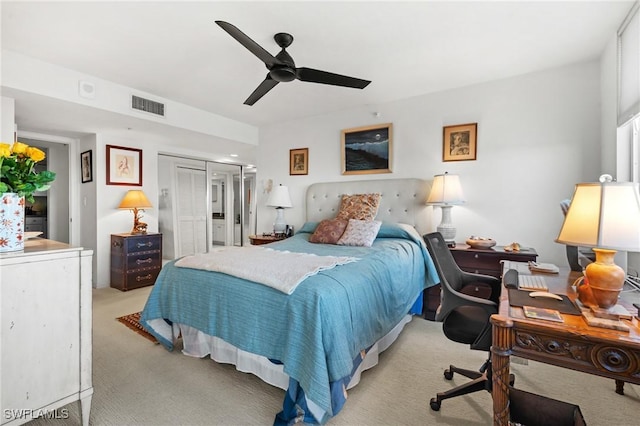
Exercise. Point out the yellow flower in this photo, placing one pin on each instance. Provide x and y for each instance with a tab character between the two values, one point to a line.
19	148
5	150
35	154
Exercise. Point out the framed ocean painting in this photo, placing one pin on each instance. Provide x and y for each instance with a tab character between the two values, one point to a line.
367	150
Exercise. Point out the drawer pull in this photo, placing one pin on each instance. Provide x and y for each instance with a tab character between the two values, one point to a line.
147	244
144	277
141	261
475	255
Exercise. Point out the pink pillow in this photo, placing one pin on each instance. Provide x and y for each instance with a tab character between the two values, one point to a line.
359	206
329	231
360	233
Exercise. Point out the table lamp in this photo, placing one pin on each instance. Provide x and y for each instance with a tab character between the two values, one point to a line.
136	201
280	199
446	191
606	217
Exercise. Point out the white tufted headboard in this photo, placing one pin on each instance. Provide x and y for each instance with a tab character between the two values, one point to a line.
402	200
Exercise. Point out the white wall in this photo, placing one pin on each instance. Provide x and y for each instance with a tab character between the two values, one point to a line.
538	135
88	204
7	121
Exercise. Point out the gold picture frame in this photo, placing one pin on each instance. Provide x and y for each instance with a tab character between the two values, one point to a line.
299	161
459	142
367	149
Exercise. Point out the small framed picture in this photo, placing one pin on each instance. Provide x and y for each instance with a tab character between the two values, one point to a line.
86	166
124	166
459	142
367	149
299	161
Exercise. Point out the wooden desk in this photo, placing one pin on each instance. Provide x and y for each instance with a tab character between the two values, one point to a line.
571	344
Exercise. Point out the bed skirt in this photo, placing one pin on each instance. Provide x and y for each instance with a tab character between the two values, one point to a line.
199	344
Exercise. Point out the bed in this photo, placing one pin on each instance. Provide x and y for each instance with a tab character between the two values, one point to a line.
315	341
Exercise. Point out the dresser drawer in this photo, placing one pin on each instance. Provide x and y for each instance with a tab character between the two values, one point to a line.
142	278
141	243
488	262
144	260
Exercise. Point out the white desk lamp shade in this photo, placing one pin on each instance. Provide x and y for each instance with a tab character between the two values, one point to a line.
280	199
446	191
605	216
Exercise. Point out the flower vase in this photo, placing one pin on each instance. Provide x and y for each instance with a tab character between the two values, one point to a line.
11	222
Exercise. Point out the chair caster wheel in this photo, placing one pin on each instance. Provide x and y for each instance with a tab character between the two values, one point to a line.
435	405
448	374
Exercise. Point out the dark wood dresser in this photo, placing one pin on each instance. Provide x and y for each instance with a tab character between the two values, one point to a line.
478	261
136	260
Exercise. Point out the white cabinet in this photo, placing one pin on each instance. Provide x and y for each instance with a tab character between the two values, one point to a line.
45	302
219	231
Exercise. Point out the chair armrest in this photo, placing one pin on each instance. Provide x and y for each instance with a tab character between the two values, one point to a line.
453	299
493	282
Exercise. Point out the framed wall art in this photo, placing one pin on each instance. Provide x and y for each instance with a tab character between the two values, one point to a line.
299	161
86	166
367	149
459	142
124	166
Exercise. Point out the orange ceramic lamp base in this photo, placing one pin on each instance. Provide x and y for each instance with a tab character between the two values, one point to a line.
605	278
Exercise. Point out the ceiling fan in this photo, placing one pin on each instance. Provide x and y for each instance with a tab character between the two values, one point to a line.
282	68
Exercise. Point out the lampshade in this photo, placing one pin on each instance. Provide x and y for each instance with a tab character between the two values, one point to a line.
445	192
446	189
279	197
135	198
605	216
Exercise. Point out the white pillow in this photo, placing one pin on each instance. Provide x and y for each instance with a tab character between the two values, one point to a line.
360	233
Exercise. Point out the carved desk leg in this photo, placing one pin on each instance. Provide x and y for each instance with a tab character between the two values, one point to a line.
503	337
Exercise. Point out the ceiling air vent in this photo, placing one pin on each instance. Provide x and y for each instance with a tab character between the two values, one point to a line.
147	105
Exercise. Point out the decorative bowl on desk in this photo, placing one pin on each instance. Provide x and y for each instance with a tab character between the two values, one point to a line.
480	242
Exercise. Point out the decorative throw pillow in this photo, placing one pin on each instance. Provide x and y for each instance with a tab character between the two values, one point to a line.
360	233
329	231
359	206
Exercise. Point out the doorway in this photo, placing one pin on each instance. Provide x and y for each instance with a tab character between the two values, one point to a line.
50	212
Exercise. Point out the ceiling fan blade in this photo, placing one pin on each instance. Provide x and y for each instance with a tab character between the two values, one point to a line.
251	45
324	77
261	90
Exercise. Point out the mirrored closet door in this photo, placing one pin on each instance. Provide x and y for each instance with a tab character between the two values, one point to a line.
203	205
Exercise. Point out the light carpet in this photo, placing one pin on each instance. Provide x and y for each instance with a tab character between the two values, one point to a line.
140	383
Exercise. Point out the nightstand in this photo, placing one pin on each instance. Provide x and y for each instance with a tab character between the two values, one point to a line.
136	260
478	261
258	240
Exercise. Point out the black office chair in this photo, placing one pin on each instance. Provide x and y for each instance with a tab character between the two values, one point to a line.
467	303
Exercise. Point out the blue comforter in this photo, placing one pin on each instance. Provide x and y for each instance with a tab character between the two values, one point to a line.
318	330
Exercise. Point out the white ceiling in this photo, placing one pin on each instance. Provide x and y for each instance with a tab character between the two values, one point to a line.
176	51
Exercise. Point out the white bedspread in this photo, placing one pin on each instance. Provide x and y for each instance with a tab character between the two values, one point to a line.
281	270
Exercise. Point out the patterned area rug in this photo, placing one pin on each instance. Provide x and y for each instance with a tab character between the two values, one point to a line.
133	322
